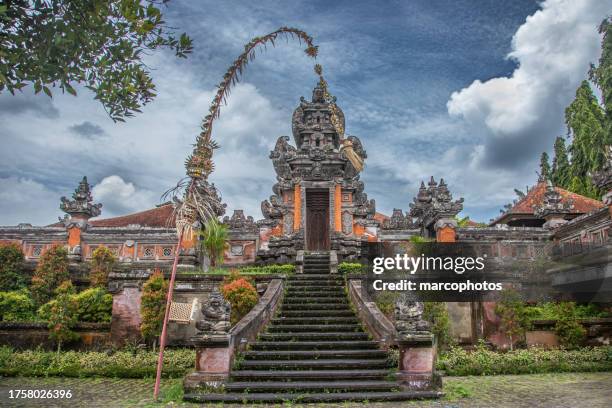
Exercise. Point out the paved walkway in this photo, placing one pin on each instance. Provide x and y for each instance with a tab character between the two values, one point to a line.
569	390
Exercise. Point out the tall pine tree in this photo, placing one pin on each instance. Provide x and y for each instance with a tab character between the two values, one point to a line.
544	167
584	118
601	75
560	173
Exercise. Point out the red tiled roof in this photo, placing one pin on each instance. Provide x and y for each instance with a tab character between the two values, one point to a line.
380	217
535	197
161	216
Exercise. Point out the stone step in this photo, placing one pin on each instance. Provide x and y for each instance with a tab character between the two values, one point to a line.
306	300
315	306
316	328
316	292
314	277
313	354
309	375
304	281
319	320
316	313
332	364
311	386
314	345
310	336
324	397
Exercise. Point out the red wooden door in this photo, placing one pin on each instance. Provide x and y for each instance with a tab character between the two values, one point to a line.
317	219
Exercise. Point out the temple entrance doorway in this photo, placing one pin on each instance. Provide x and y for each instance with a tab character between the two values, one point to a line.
317	219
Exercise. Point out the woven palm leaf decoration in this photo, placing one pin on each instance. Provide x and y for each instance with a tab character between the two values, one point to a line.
200	200
346	145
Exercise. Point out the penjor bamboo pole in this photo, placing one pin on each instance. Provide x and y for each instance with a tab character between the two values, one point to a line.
162	340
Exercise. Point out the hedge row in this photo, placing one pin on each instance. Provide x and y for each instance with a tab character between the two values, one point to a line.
119	364
459	362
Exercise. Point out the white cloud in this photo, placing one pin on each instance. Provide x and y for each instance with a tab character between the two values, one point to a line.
120	197
520	115
26	196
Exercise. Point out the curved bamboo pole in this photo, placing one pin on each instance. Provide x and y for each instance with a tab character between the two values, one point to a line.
199	164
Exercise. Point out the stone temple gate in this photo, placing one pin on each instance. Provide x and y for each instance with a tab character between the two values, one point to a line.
319	202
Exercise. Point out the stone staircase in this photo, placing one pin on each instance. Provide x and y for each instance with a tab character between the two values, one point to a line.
315	350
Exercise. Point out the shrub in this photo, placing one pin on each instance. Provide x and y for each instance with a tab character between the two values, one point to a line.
385	300
213	241
119	364
94	305
350	267
153	306
51	271
16	306
568	329
513	314
436	313
458	362
11	268
242	296
102	262
285	269
63	315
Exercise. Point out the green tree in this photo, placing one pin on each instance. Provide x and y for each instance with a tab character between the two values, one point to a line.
51	271
513	313
601	74
436	313
568	329
213	241
11	268
102	262
560	173
63	315
97	43
544	166
584	118
153	306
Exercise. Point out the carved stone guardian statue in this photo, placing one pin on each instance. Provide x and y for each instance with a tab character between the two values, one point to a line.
216	311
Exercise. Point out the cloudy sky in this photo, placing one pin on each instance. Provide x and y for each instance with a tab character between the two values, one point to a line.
472	91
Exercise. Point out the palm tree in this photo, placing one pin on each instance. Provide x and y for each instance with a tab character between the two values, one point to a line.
213	241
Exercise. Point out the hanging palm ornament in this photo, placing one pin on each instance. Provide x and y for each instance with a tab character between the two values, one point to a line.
201	201
346	145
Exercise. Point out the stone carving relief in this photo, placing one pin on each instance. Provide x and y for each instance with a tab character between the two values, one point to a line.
409	315
433	203
347	222
216	315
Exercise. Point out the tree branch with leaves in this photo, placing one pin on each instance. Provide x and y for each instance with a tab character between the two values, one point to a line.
100	44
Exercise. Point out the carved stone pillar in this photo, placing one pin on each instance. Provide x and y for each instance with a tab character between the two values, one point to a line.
78	212
214	356
214	349
417	347
417	361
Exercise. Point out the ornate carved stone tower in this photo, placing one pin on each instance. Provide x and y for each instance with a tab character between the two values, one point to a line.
319	202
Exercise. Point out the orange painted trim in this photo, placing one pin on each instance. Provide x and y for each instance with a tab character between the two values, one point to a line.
338	208
446	234
297	207
74	237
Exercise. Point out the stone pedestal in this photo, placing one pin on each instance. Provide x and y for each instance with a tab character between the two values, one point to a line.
214	356
417	361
